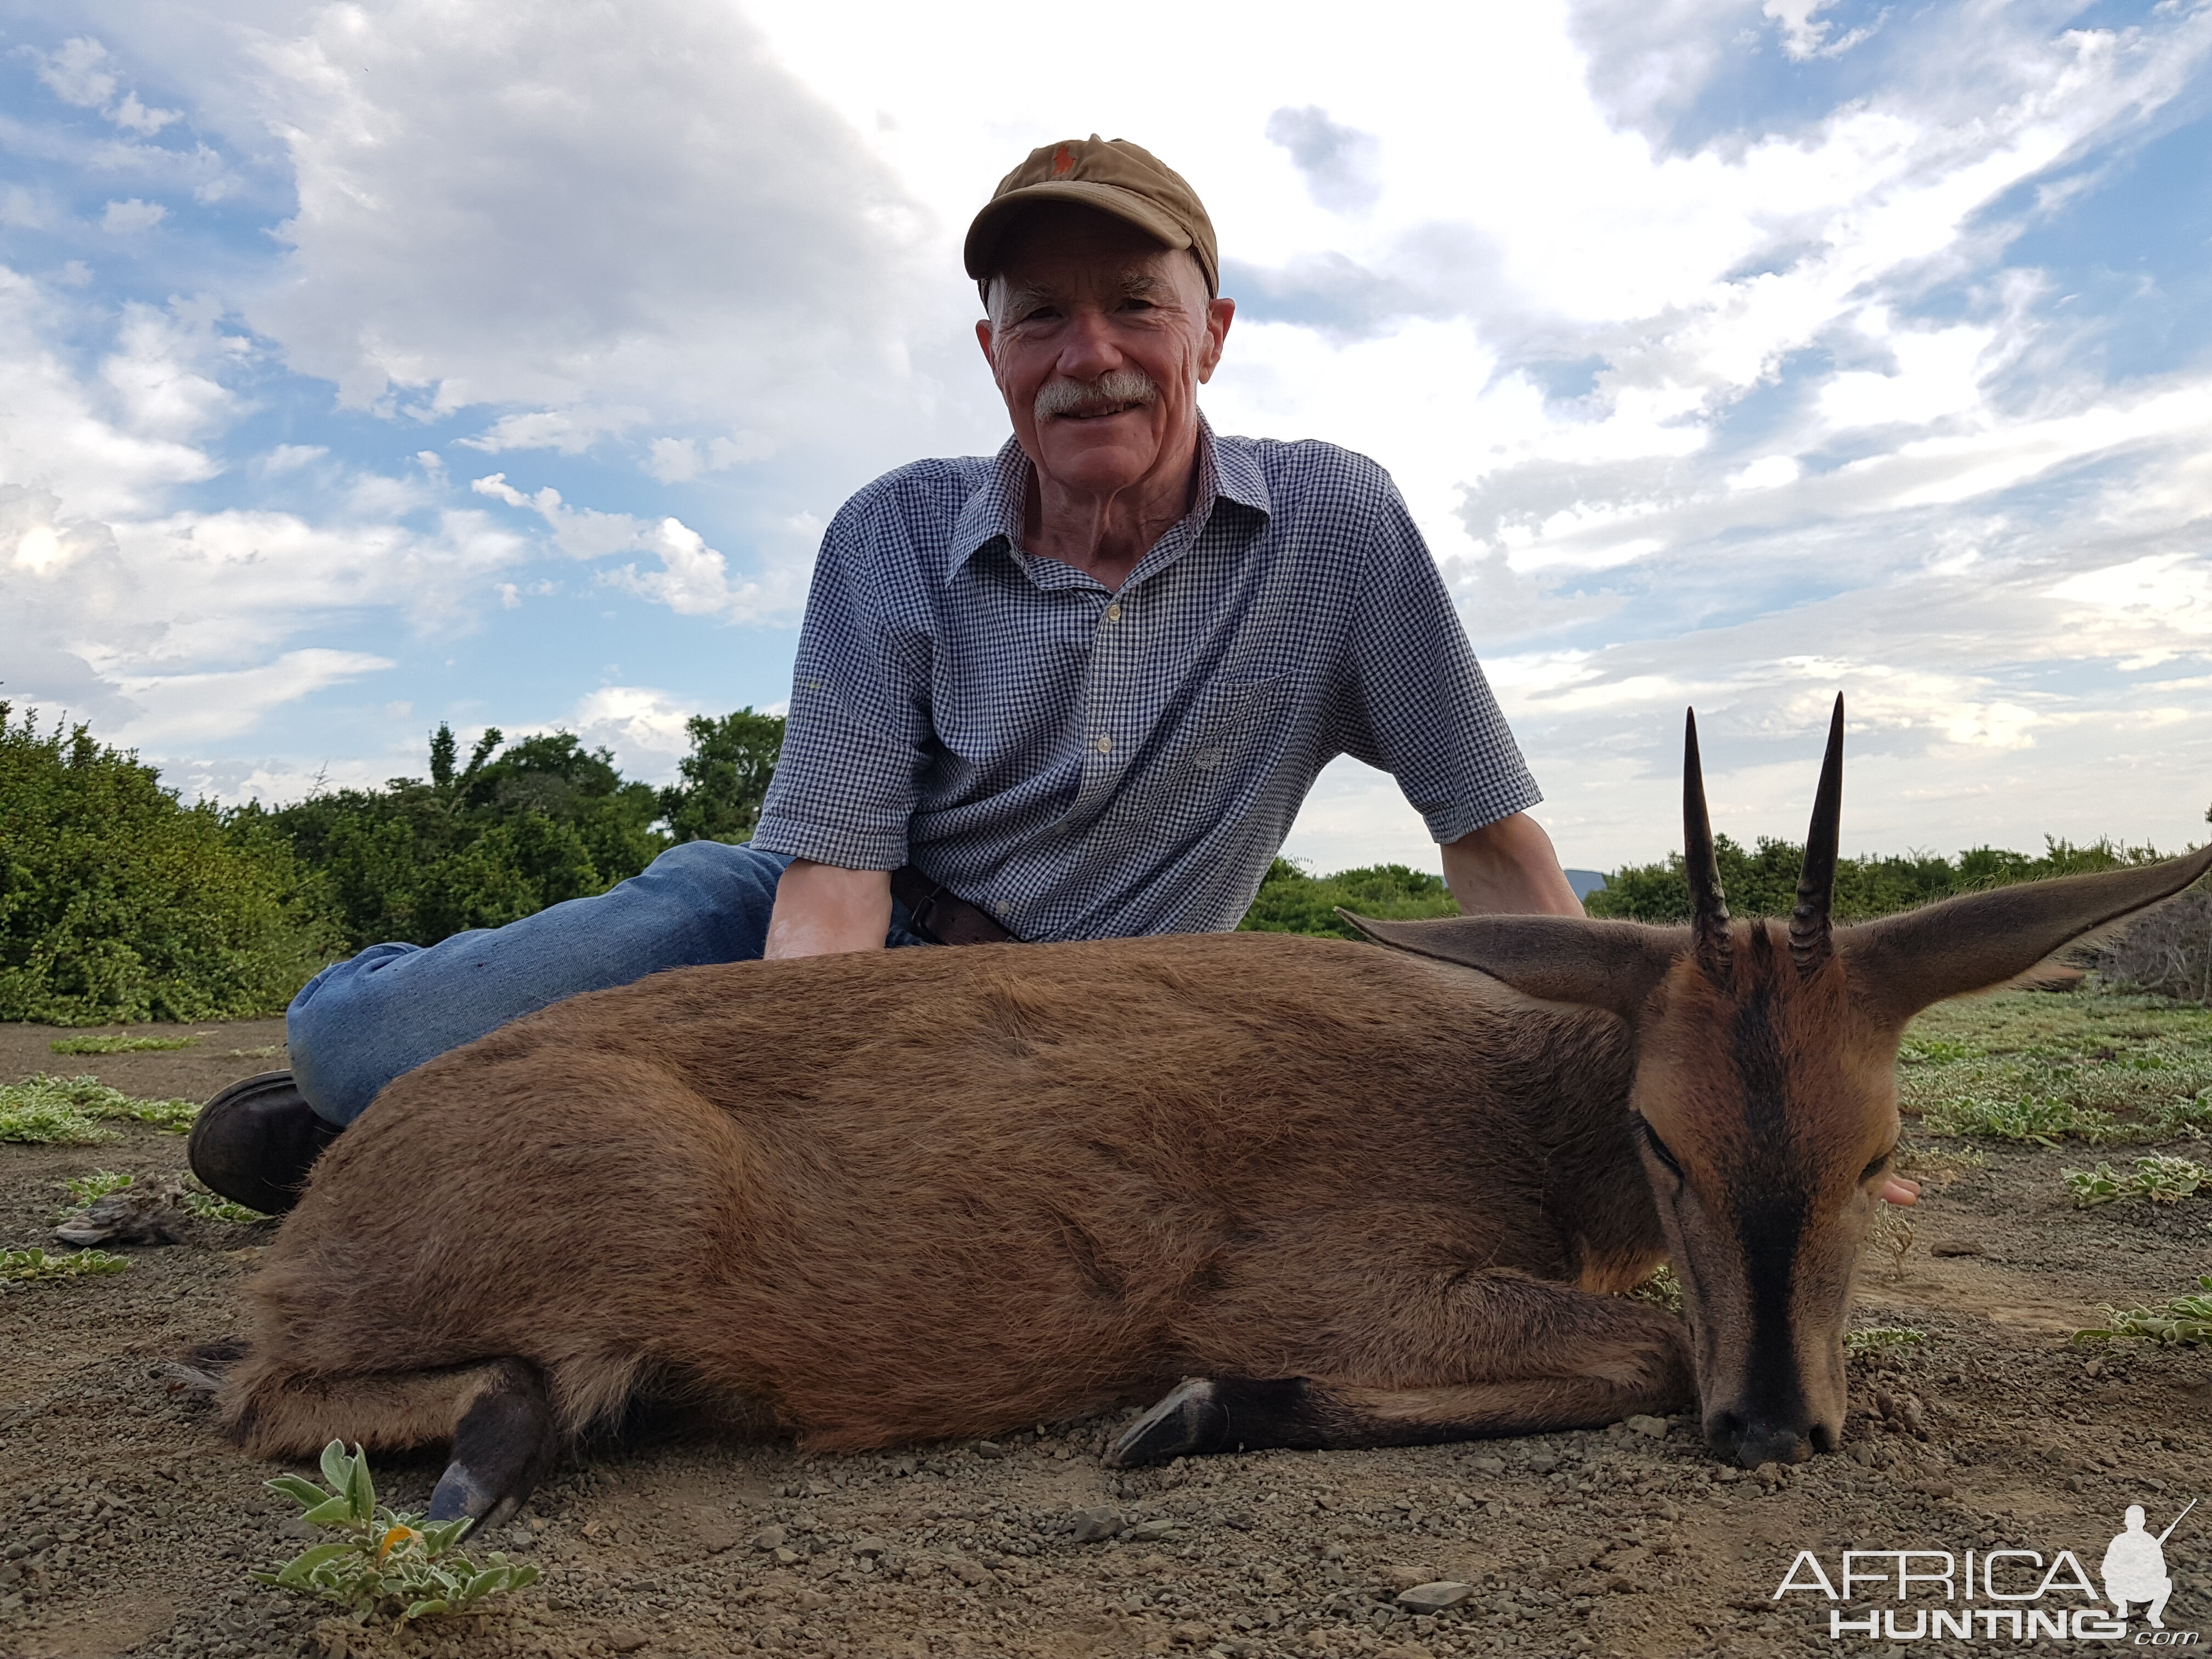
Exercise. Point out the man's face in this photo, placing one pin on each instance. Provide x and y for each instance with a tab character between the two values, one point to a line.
1087	310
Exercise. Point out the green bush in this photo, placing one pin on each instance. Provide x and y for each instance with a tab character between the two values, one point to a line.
117	903
1292	902
478	846
1763	882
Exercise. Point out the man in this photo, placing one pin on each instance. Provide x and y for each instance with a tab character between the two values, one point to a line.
1075	690
2135	1569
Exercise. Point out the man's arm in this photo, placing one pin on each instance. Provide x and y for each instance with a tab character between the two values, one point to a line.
821	909
1509	868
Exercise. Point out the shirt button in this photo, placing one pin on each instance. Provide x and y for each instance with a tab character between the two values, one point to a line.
1113	611
1105	746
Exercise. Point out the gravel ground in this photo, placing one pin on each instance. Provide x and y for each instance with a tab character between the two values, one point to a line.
130	1528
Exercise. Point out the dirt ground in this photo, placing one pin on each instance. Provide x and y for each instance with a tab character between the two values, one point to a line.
128	1527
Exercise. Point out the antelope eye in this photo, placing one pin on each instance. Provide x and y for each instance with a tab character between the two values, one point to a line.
1877	1166
1659	1147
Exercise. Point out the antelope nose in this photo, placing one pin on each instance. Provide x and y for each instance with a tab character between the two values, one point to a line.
1752	1442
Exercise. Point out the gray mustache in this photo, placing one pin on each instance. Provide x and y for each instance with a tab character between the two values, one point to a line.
1120	385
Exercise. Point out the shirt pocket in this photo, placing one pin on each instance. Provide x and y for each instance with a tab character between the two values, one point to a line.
1230	724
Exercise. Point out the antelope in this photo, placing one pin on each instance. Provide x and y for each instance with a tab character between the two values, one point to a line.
1299	1191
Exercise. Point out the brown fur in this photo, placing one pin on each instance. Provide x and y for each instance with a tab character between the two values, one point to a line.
939	1193
926	1194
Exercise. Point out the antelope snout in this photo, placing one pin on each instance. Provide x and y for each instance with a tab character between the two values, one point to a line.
1753	1440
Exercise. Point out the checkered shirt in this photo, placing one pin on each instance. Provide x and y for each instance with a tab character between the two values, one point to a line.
1084	763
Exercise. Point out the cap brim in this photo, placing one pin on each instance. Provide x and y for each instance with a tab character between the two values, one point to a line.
989	227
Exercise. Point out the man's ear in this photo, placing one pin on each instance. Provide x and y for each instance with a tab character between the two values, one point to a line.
983	339
1607	964
1903	963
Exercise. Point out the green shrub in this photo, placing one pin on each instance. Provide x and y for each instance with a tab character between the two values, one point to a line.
478	846
1763	882
1292	902
119	904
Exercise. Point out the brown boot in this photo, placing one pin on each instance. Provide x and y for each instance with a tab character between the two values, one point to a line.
256	1141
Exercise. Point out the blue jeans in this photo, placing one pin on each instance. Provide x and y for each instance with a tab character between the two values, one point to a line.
359	1024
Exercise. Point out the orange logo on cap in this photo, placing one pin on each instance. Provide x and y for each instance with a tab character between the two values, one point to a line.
1063	161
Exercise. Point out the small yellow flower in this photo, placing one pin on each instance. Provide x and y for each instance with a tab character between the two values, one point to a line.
395	1536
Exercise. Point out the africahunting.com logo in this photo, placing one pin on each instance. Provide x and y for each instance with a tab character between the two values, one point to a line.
1998	1593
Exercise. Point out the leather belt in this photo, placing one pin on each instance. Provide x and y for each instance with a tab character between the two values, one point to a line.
938	912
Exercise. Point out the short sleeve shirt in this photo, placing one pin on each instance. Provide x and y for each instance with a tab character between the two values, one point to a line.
1085	764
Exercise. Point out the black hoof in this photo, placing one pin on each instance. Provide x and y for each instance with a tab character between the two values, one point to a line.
1189	1422
504	1448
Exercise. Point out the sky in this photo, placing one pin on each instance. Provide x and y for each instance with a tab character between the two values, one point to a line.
364	366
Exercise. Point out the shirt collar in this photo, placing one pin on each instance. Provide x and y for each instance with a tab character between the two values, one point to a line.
994	512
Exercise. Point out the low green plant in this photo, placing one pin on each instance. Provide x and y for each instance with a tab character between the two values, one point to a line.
2160	1179
384	1564
117	1045
1662	1287
2185	1320
1879	1341
69	1111
213	1206
2044	1123
20	1266
85	1191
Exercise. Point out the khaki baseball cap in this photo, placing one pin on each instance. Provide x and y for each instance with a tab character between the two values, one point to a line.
1111	174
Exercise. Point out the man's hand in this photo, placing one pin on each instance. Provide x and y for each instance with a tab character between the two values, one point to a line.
821	909
1508	868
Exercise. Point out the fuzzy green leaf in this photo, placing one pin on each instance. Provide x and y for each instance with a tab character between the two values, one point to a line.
306	1493
337	1466
330	1512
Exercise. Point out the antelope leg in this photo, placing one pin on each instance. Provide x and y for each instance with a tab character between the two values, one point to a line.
503	1446
1213	1414
1501	1356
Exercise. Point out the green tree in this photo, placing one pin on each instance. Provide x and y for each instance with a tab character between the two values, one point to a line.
119	902
479	845
725	777
1292	902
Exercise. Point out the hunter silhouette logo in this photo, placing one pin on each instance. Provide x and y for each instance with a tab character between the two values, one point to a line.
1992	1593
2134	1567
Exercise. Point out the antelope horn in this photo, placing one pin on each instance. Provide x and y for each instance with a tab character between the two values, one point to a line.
1809	941
1708	903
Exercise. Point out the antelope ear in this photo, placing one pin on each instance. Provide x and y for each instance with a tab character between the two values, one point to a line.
1903	963
1607	964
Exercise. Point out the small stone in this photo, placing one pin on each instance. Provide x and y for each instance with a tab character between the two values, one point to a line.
716	1537
1149	1531
872	1548
1093	1525
626	1641
786	1558
1542	1463
1487	1465
1237	1520
971	1572
992	1448
1962	1246
768	1538
1434	1596
1190	1635
1403	1577
1653	1427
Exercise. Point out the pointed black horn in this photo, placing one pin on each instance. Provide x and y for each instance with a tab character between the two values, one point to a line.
1709	916
1809	940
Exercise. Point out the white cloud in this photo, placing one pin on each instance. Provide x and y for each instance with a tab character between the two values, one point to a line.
129	218
194	708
